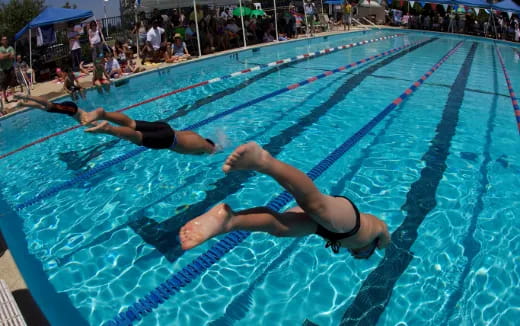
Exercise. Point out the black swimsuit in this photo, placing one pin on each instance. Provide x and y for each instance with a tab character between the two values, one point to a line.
333	238
158	135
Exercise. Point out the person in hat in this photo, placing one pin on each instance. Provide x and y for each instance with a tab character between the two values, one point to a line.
179	48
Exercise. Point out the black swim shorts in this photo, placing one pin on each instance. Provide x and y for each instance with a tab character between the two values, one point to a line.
156	135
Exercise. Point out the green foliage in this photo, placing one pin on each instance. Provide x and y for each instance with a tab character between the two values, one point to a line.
68	6
15	14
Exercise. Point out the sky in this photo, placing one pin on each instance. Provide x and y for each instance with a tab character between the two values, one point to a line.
95	5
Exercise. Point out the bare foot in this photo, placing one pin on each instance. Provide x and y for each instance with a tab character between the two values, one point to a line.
249	156
95	115
206	226
101	128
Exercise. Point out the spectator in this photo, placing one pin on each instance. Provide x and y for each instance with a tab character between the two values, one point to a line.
112	67
268	36
23	71
200	14
347	15
95	39
225	15
154	44
140	31
74	46
191	31
179	49
310	10
100	78
132	68
71	85
7	56
85	69
122	52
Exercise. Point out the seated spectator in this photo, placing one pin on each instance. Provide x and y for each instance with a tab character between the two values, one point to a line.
100	78
132	68
71	85
60	75
85	68
154	45
268	34
23	71
232	31
122	52
179	48
112	67
282	37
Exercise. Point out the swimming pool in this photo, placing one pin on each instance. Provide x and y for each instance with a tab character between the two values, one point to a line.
439	169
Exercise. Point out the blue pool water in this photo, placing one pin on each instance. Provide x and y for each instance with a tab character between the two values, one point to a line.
441	170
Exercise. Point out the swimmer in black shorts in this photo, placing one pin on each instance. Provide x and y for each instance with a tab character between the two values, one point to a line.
156	135
334	218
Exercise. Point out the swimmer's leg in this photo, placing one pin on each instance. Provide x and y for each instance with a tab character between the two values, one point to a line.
115	117
189	142
330	212
221	219
33	101
125	133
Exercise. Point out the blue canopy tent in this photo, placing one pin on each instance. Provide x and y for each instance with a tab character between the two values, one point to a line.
507	5
51	16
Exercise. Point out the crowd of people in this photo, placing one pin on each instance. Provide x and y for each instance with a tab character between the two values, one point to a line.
499	26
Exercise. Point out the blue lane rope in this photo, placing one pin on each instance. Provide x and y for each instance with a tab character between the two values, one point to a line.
200	264
68	184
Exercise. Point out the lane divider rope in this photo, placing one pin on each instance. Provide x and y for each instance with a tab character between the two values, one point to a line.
211	81
55	189
514	99
200	264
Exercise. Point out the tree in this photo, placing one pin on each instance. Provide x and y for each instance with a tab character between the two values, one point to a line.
68	6
15	14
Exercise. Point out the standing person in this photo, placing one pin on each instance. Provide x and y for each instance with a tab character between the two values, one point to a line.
74	47
309	10
95	39
335	218
347	15
7	57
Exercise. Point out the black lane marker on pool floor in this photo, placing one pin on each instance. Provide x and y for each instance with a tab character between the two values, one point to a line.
471	246
163	236
375	293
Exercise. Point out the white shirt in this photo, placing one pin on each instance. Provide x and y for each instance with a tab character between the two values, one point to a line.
225	15
154	37
93	36
73	42
112	65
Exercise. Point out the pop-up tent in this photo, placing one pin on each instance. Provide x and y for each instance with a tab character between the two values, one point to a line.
507	5
51	17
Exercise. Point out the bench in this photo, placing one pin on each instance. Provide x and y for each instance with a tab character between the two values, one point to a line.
9	312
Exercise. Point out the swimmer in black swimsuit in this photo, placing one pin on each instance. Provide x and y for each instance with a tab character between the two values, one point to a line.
156	135
67	107
336	219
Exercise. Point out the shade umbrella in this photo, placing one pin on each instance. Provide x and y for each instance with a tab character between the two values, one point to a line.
241	11
257	12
